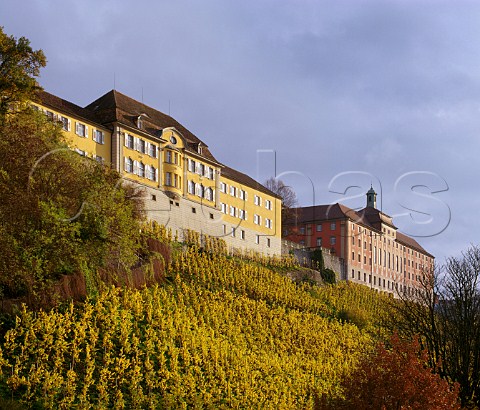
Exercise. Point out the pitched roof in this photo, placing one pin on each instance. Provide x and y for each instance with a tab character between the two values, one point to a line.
330	211
369	217
244	179
412	243
64	106
117	107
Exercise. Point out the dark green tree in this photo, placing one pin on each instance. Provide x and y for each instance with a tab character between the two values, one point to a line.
19	66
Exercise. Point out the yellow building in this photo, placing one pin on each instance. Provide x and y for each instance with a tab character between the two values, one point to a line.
185	186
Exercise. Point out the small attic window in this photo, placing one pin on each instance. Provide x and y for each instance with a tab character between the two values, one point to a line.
140	120
200	149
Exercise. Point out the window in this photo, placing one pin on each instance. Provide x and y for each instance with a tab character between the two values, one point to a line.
152	150
332	226
49	115
223	208
152	173
209	194
242	194
353	273
200	190
333	240
257	200
128	164
66	123
268	223
129	141
168	157
232	210
141	146
257	219
353	256
242	214
268	204
175	157
257	239
302	230
233	191
99	136
191	187
194	210
233	232
210	173
319	242
141	170
191	165
168	178
319	227
242	234
309	230
100	159
268	242
200	169
223	187
81	152
81	129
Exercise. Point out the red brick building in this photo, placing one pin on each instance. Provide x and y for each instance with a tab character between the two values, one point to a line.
371	249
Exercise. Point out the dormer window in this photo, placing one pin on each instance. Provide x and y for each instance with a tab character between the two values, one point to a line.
140	120
199	149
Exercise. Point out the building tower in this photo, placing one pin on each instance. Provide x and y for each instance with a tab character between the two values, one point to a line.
371	198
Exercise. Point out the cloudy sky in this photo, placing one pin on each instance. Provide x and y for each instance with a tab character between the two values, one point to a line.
332	96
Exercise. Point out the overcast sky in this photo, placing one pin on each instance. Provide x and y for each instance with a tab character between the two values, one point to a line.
343	94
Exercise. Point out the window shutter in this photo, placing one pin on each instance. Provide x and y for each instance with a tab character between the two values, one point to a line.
147	147
136	143
76	128
156	175
94	135
69	125
125	163
86	132
102	137
135	167
125	142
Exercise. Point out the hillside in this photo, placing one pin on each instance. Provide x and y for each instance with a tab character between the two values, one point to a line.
220	332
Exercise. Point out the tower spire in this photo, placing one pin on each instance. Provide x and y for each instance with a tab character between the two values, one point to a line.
371	197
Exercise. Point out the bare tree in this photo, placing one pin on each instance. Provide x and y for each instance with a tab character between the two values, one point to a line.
445	312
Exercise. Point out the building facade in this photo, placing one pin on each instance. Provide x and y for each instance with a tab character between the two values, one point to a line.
185	186
372	250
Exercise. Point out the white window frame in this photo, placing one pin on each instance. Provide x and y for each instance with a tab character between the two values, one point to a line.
99	136
268	204
81	129
257	200
223	187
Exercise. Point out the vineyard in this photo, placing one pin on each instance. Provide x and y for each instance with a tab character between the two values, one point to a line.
220	332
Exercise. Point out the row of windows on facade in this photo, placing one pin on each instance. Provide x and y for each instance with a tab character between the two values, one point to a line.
81	129
387	262
140	145
242	194
243	214
234	232
333	241
140	169
374	235
389	285
201	191
201	169
414	253
319	228
83	153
